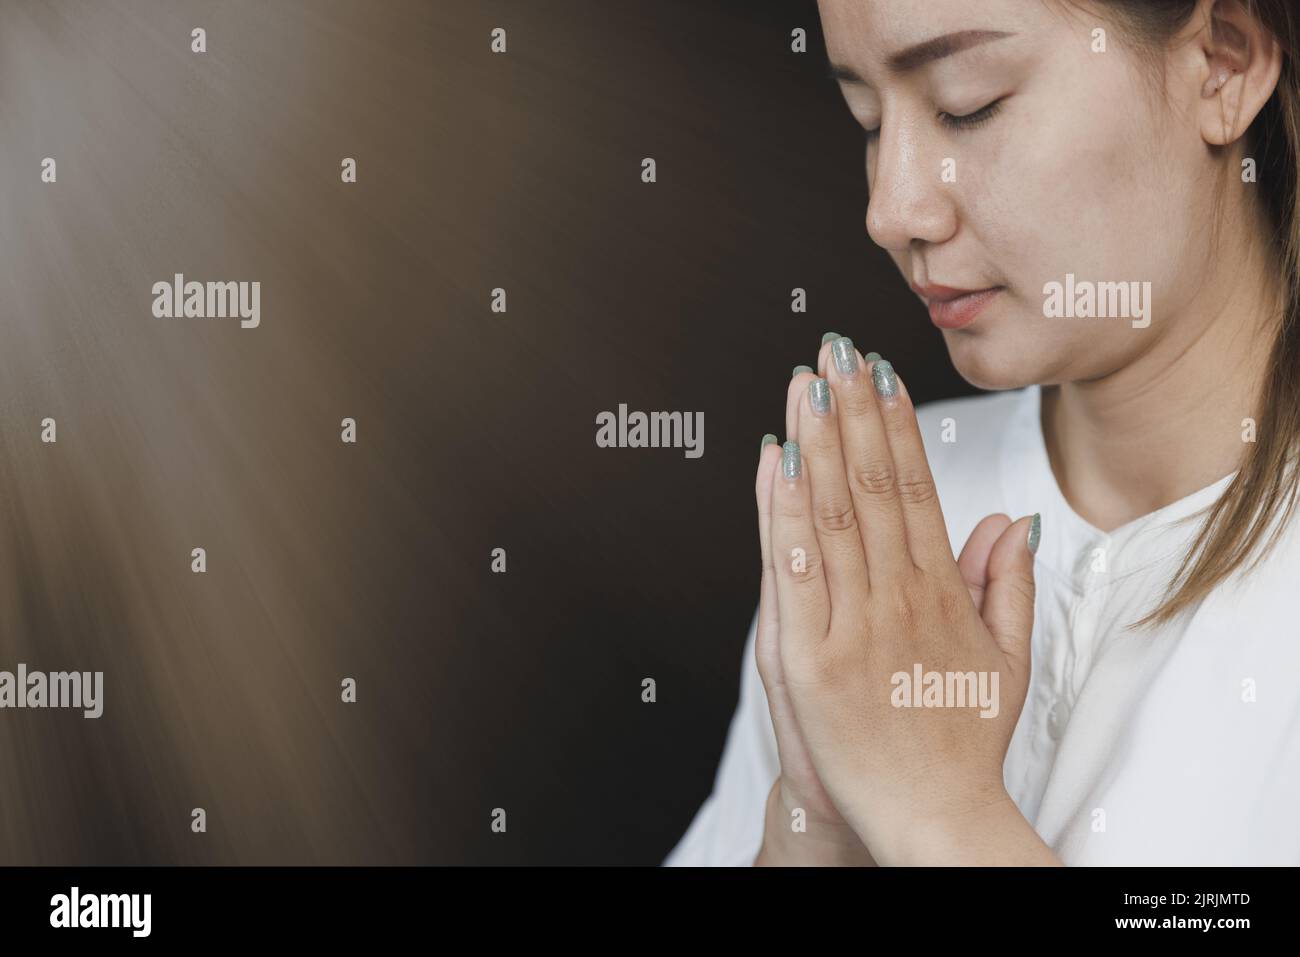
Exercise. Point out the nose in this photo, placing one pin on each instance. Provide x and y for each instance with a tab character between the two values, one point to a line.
909	200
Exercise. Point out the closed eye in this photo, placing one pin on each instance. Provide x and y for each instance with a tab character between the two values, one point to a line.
966	121
971	120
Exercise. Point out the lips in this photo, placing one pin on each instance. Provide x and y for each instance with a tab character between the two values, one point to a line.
952	308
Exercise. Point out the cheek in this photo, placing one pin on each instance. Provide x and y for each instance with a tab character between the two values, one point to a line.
1064	197
1072	188
1068	197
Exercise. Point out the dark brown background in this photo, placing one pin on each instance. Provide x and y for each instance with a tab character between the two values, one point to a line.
476	430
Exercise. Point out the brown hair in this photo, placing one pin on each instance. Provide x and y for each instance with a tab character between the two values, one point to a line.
1263	492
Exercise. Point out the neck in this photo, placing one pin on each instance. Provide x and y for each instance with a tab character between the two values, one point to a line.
1169	423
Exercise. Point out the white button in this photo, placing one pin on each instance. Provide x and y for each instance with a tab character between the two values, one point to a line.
1057	716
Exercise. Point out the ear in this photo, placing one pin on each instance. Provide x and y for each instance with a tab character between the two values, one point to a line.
1240	62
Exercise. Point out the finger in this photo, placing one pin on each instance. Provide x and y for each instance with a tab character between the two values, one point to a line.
765	636
803	604
1009	597
833	514
869	465
927	533
799	380
973	563
824	353
795	392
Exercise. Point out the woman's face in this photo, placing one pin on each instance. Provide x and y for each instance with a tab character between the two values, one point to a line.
1080	168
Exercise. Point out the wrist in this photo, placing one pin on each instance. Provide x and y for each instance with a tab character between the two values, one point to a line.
990	832
804	841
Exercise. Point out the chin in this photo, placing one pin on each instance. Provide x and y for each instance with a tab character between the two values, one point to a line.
992	363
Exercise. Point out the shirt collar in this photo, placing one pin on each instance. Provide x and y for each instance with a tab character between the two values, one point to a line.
1070	546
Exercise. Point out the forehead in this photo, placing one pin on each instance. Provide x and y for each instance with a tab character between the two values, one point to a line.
863	34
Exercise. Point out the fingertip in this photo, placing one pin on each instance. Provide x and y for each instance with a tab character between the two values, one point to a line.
1020	543
823	356
819	398
1011	549
885	380
763	476
791	461
799	381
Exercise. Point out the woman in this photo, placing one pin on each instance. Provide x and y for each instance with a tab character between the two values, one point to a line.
1096	200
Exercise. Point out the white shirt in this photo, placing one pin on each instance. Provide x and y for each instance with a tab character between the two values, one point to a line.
1139	747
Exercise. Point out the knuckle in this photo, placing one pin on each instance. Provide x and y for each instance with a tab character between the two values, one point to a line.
916	488
876	479
952	602
1022	591
856	399
905	607
836	515
807	567
827	665
788	507
821	666
901	417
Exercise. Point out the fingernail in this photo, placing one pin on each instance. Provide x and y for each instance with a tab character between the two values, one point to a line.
846	358
1035	531
798	369
791	466
819	394
885	379
872	357
830	337
768	439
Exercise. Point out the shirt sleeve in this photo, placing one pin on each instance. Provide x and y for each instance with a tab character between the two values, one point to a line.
728	828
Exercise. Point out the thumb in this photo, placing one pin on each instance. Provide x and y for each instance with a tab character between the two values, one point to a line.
1009	596
973	563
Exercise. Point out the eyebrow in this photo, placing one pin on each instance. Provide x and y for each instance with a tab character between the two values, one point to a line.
927	51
